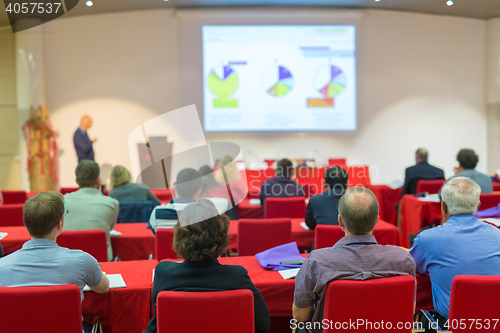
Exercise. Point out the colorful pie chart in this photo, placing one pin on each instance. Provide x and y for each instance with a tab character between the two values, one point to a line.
222	81
330	81
277	80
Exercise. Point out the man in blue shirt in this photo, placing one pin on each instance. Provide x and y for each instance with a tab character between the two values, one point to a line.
463	245
281	186
82	142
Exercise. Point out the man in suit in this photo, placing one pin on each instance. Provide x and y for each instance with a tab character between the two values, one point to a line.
82	142
323	208
283	185
422	170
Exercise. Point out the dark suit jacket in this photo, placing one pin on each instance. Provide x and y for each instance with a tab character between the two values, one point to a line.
280	187
207	276
420	171
83	145
323	209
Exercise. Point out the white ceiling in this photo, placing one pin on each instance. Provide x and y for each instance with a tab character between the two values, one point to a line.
482	9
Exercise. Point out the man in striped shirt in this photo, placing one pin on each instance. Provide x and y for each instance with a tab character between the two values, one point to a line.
357	256
88	207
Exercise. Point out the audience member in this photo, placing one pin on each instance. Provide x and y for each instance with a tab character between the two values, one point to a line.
238	186
422	170
323	208
210	187
41	262
187	186
90	209
283	185
123	190
463	245
200	237
357	256
467	161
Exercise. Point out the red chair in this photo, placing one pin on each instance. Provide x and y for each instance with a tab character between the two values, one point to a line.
269	162
327	235
65	190
257	235
49	309
388	299
14	197
285	207
496	186
163	244
11	215
164	195
190	312
94	242
474	298
430	186
336	161
489	200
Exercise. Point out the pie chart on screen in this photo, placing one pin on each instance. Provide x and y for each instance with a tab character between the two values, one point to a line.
277	80
330	80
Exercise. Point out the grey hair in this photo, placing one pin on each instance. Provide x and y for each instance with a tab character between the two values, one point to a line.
359	208
461	195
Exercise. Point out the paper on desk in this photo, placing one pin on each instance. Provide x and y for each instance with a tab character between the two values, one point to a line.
115	281
489	220
431	198
114	233
254	202
289	273
304	225
395	184
3	234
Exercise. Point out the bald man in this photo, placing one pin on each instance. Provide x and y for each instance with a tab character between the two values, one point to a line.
83	144
422	170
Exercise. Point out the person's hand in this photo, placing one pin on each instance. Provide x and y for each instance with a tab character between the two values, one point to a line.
458	169
293	177
94	140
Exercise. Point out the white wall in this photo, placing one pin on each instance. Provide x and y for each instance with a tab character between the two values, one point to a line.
421	84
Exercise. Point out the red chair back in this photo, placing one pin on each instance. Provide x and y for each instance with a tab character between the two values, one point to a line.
474	297
14	197
336	161
327	235
489	200
367	300
11	215
165	195
257	235
94	242
164	239
178	311
430	186
496	186
285	207
65	190
54	309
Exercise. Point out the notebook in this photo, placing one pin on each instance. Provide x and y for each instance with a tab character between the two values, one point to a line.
115	281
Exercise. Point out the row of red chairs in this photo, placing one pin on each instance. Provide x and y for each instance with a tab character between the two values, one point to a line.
372	305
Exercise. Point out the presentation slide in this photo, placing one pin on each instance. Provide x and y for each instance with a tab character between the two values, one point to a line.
279	78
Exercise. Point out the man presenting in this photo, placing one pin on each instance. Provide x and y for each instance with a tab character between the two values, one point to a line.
82	142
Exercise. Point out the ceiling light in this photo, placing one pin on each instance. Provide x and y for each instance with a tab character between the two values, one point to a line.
449	3
89	3
377	0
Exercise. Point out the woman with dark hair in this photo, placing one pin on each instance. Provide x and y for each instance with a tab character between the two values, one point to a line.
200	237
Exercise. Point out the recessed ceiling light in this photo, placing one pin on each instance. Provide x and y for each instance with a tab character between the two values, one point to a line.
89	3
449	3
377	0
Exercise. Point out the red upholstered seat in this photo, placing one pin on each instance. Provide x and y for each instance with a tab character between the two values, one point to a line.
207	312
163	244
388	299
257	235
94	242
327	235
11	215
475	298
14	197
164	195
65	190
50	309
430	186
336	161
489	200
285	207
